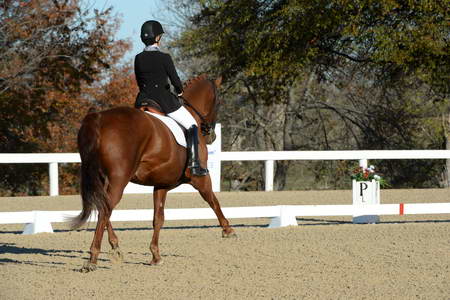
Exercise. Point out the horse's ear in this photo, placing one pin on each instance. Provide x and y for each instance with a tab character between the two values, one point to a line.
218	81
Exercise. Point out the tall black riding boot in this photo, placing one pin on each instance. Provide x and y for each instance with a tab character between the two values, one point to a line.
194	165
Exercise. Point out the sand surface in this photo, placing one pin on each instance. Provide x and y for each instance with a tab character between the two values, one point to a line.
403	257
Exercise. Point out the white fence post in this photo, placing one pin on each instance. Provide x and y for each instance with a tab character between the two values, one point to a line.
269	167
286	218
53	174
214	164
363	163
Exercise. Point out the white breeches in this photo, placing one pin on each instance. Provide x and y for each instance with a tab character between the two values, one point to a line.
184	117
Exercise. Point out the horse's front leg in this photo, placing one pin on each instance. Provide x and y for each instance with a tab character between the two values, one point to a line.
159	199
204	186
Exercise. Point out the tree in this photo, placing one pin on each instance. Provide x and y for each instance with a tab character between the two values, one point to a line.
264	48
52	55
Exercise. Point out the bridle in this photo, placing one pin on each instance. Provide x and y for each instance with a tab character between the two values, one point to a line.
205	126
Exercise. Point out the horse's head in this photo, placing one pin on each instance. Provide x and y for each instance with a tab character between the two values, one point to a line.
201	96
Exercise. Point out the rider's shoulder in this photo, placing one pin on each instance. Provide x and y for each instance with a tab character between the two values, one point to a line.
152	53
166	55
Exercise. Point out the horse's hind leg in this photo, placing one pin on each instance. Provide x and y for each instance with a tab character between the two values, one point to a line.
159	199
204	186
115	253
103	219
115	190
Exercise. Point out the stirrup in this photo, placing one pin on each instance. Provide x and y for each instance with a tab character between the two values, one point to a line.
198	171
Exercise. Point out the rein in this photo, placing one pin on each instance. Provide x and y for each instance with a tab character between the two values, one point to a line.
205	126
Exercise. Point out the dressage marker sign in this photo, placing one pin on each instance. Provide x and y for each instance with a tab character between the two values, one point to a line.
365	193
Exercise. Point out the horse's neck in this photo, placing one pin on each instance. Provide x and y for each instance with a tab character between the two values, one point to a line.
194	102
198	99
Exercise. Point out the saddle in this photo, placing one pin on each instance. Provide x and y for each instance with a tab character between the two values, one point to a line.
180	133
151	106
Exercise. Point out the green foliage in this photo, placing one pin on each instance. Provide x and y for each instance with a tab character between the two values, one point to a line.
273	41
372	75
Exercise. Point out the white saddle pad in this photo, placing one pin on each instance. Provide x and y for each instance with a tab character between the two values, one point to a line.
174	128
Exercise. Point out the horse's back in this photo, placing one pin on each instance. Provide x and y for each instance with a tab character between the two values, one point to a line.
126	119
132	124
135	144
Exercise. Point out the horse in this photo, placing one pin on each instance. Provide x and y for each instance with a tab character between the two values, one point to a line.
125	144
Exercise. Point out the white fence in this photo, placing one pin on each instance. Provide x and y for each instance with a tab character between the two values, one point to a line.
53	159
362	155
40	221
281	215
216	156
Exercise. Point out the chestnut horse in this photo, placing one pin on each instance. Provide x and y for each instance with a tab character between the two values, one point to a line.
126	144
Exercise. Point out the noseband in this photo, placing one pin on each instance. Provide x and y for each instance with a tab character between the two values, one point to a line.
205	126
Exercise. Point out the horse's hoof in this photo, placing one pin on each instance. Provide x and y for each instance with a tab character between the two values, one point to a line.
155	262
228	235
116	256
88	267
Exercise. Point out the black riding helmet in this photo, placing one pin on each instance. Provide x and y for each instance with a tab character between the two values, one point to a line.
149	31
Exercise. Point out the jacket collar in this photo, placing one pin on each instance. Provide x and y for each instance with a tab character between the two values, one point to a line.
152	48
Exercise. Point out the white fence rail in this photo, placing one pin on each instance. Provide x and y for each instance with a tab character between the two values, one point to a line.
53	159
362	155
335	155
281	215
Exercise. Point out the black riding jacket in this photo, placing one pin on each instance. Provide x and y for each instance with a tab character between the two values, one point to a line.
152	69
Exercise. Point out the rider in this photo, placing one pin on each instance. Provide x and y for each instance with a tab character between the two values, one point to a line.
152	68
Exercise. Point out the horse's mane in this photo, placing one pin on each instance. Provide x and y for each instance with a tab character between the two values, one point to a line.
191	83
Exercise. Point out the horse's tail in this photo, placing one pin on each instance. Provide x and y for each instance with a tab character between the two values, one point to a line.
93	179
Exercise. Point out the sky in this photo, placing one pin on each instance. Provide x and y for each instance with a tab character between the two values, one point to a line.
133	14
